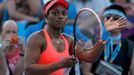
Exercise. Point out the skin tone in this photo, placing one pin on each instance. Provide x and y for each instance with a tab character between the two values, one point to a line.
56	20
10	29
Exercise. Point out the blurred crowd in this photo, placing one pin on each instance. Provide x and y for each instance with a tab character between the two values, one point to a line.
28	17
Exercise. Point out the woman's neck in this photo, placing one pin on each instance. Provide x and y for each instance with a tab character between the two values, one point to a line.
53	32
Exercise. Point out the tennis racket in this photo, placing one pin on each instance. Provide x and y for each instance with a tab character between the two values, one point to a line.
87	29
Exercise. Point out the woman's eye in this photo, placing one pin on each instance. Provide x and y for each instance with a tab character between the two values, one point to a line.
65	13
55	13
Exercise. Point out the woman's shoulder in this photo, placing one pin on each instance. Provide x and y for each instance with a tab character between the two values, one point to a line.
37	36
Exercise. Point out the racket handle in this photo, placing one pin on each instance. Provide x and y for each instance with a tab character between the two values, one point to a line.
105	34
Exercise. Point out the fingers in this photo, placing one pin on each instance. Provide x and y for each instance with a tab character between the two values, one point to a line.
120	27
71	61
113	25
120	23
120	19
123	22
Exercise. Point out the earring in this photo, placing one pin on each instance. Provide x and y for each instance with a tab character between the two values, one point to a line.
46	21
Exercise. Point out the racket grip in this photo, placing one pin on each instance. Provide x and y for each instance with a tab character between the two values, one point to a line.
105	34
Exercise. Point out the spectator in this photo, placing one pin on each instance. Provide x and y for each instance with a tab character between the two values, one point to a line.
124	50
13	47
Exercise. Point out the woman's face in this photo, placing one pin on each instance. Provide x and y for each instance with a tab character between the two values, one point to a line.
57	16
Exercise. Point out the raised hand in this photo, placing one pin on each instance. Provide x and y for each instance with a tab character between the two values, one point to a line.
111	25
5	44
68	62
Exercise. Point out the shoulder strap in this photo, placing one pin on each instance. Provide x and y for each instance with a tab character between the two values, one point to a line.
70	43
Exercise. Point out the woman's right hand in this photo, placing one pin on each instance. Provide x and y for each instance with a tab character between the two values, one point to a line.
69	62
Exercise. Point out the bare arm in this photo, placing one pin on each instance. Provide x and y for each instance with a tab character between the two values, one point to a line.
16	15
85	68
32	56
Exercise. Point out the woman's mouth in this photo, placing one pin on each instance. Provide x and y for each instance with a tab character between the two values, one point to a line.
61	22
